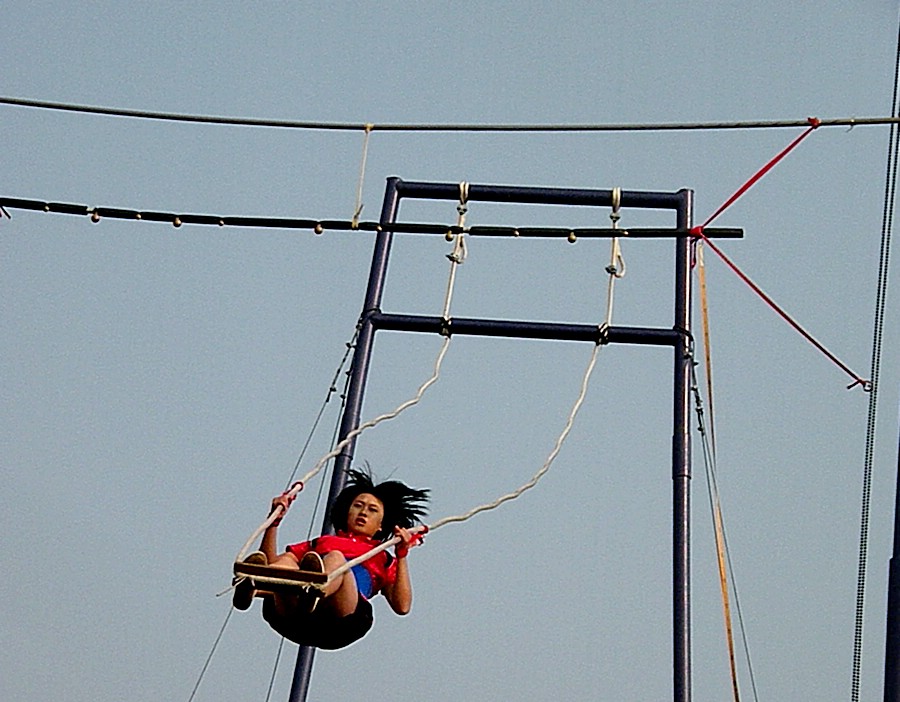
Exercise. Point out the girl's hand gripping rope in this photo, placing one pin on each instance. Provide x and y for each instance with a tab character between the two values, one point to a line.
282	503
407	541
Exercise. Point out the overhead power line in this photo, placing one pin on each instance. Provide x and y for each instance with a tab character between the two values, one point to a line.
442	127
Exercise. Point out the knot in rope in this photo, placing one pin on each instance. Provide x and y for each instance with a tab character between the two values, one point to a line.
603	334
616	267
458	255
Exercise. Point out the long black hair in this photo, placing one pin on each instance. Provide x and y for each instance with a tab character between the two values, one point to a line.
403	506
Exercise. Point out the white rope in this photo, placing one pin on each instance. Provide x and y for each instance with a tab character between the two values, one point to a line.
457	257
616	267
298	486
614	273
500	500
358	208
544	468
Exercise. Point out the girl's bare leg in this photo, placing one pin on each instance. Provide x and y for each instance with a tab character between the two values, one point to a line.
341	593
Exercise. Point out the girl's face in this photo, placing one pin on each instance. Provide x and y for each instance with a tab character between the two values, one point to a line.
365	515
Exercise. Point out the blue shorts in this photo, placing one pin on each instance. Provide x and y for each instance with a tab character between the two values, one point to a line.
363	581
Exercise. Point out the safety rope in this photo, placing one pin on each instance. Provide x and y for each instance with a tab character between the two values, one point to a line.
456	258
275	669
707	344
708	441
715	507
419	532
887	225
334	437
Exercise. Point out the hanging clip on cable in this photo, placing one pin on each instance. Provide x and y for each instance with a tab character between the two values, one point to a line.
458	255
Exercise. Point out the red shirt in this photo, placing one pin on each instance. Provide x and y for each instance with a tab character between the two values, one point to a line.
382	568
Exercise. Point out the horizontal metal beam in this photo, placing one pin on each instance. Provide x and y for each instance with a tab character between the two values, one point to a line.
539	196
524	330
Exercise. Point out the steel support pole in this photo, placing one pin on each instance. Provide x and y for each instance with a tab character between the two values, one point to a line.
359	370
681	462
679	337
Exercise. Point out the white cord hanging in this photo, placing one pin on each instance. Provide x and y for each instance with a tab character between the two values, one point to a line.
616	267
459	253
457	257
614	272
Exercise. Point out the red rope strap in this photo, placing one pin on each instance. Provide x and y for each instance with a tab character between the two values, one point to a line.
417	538
813	125
697	232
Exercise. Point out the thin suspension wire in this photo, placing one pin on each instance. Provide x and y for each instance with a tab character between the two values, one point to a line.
440	127
709	448
334	438
715	509
275	669
331	391
880	299
740	615
209	657
332	388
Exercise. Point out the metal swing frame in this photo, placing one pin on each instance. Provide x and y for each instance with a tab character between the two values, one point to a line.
678	337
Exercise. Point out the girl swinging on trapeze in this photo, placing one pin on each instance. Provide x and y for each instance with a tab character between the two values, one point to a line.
339	613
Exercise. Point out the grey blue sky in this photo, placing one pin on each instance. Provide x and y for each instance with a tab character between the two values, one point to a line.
157	384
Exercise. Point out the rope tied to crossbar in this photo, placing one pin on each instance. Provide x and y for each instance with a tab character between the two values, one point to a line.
458	256
616	267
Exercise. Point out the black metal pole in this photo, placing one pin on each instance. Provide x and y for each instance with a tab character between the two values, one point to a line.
356	387
681	462
892	634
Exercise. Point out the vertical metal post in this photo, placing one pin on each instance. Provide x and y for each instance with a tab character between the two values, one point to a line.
359	370
682	202
681	460
892	634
